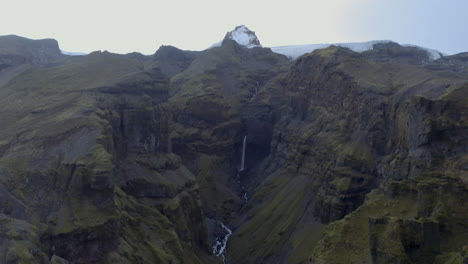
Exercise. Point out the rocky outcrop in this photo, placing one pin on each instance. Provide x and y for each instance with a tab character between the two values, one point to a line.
409	221
21	50
18	54
391	52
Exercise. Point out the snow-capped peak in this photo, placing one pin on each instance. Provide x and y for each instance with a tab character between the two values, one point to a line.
243	36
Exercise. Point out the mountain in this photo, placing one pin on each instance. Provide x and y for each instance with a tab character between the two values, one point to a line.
233	154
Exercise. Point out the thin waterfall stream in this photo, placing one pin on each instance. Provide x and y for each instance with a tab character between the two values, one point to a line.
242	168
243	154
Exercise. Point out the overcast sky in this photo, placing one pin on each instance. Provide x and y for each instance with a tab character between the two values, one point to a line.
144	25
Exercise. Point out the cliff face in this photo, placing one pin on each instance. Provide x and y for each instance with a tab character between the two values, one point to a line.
350	157
85	170
355	128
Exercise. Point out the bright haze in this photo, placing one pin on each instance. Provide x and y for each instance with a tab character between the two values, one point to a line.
144	25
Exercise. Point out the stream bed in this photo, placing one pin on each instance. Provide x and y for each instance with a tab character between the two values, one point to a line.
219	247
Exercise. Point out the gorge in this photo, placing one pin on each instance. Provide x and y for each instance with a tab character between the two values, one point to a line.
234	154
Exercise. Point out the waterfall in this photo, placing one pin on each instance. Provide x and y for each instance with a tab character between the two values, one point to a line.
256	91
243	154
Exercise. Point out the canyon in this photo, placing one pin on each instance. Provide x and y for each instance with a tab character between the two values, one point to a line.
233	154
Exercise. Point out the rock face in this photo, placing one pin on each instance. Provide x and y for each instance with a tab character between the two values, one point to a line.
349	157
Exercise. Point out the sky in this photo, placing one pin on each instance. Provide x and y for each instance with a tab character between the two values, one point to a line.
144	25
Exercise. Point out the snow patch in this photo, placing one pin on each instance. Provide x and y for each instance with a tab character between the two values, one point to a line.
73	53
